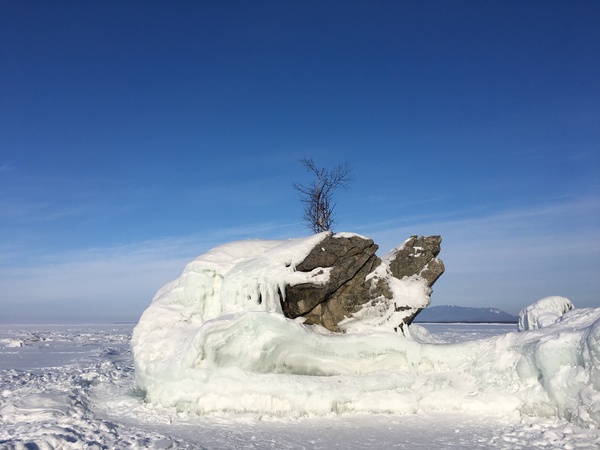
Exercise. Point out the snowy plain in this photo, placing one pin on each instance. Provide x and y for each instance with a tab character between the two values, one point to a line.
72	386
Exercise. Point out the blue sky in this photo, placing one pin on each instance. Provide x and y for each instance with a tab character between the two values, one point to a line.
135	135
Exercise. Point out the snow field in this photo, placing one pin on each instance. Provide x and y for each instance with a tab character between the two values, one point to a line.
88	400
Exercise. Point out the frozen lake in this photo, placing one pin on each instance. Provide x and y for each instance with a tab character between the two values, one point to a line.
72	386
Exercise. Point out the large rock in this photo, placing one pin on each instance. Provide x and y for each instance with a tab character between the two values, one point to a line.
346	255
417	256
359	279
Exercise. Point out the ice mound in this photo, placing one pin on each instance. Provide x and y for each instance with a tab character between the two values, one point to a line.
215	340
544	312
11	343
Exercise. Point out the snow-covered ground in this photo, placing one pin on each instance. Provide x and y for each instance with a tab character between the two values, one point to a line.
73	387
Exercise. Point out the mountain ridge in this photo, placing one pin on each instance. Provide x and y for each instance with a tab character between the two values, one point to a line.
464	314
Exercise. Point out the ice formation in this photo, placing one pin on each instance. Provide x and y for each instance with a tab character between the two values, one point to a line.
544	312
215	340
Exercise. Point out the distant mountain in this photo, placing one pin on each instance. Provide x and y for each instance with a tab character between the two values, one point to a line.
446	314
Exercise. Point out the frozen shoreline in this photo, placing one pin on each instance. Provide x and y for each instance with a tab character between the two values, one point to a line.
89	400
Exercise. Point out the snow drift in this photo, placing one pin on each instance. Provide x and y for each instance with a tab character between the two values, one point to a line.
207	344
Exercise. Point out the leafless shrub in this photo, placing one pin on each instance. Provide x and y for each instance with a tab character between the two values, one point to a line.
317	196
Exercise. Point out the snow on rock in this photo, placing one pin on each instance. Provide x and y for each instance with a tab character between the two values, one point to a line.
544	312
215	340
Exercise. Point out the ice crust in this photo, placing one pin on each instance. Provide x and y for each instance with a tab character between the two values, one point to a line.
215	340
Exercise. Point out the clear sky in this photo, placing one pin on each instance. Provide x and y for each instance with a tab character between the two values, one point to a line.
136	135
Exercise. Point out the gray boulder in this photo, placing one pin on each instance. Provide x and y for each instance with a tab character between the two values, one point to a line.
417	256
359	278
348	257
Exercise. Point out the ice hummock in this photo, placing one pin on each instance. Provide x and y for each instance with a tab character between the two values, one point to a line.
544	312
215	340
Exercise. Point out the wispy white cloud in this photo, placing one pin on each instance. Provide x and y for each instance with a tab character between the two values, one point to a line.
117	281
507	259
513	257
40	211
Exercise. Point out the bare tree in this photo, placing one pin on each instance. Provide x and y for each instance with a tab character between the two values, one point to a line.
317	196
